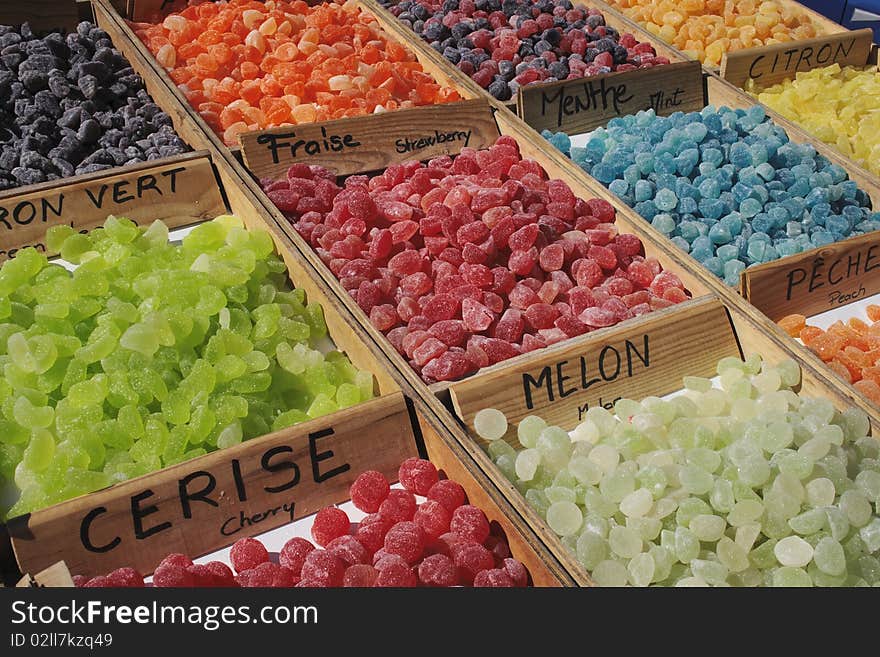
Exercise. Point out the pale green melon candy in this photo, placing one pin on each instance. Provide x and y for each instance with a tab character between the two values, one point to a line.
654	479
808	522
664	507
856	507
507	464
820	492
856	424
707	459
763	556
796	464
606	457
490	423
564	518
793	551
815	448
596	523
707	527
584	470
687	546
829	557
689	508
610	573
870	569
732	555
870	535
775	525
560	494
624	542
767	382
498	447
585	432
648	528
823	579
746	535
727	379
527	462
625	408
617	485
868	482
591	549
691	582
641	569
637	503
754	472
528	430
713	573
721	498
695	480
538	501
712	403
789	372
790	577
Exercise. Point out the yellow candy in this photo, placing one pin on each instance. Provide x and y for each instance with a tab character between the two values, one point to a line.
839	106
706	29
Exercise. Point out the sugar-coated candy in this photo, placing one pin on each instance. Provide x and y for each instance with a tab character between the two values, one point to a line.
150	353
739	482
247	553
247	67
71	104
448	258
503	46
851	348
374	552
417	475
293	554
330	523
369	490
846	117
706	29
398	506
727	186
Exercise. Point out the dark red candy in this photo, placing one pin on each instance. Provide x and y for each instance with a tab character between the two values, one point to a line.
202	575
126	577
406	539
170	576
470	560
497	546
449	493
80	581
360	576
222	573
369	490
494	577
247	553
349	550
294	553
101	581
396	575
398	506
417	475
371	531
517	572
438	570
330	523
470	522
433	518
176	559
324	567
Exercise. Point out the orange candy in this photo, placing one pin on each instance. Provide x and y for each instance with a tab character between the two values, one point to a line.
851	349
706	29
247	65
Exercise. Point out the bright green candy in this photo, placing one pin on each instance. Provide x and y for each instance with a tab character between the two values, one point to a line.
150	353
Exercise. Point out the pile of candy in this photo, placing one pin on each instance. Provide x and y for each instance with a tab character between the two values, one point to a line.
851	349
706	29
837	105
748	484
727	186
247	66
503	45
466	262
150	353
442	541
71	104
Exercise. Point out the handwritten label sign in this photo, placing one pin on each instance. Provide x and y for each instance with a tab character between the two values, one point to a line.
576	106
147	10
815	281
44	15
372	142
181	189
645	356
210	502
768	65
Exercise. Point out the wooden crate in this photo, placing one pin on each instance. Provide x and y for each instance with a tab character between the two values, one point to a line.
174	183
612	19
115	22
823	24
202	505
752	338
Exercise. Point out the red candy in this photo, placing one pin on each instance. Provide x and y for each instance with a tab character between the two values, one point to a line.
396	575
470	522
323	567
166	576
223	575
126	577
176	559
495	577
433	518
349	550
294	554
438	570
360	576
465	262
417	475
247	553
399	505
329	524
449	493
372	530
407	540
369	490
470	560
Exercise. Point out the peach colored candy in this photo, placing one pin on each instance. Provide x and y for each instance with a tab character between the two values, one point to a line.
706	29
851	349
248	65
